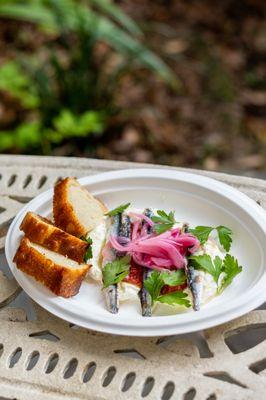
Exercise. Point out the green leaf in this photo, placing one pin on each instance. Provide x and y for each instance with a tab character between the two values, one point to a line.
117	14
26	135
175	298
63	16
218	262
174	278
114	272
154	285
157	280
231	270
32	12
68	124
88	254
161	228
18	84
205	262
225	236
118	210
202	233
163	221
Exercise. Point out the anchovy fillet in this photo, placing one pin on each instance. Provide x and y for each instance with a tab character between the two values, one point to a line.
145	298
120	226
111	292
195	284
125	226
194	281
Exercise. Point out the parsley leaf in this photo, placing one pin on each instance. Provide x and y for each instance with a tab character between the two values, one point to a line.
225	236
154	285
114	272
88	253
174	278
231	269
117	210
175	298
205	262
229	266
163	222
158	279
202	233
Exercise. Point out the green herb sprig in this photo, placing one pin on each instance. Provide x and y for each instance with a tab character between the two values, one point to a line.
224	234
88	254
231	270
115	271
157	280
163	221
118	210
229	266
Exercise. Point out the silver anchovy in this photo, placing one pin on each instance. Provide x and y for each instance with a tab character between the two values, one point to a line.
145	298
120	226
111	292
125	226
194	281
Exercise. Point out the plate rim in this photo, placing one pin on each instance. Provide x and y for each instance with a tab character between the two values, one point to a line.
162	329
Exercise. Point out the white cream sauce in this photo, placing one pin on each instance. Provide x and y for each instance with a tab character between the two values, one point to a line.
98	236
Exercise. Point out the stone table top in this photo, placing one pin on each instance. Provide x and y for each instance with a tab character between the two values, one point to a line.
43	357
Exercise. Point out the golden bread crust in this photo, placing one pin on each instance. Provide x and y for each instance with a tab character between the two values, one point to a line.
61	280
64	215
42	231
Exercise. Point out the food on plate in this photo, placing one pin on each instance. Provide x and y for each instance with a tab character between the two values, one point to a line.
139	255
145	297
60	274
180	267
43	232
75	210
120	226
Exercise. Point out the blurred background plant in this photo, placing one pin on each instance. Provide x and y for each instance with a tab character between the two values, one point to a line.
183	85
67	87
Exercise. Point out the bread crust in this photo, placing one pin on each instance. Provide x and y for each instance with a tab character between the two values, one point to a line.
64	215
61	280
42	231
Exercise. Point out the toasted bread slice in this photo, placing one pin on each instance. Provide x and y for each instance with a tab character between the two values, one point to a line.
76	211
58	273
42	231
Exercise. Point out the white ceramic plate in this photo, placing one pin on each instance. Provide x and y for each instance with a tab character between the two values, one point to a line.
196	199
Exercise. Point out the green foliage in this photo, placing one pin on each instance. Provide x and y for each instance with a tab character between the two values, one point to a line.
201	232
154	285
231	270
26	135
157	280
71	91
68	125
118	210
163	221
205	262
114	272
229	267
63	16
88	254
18	84
224	234
174	299
174	278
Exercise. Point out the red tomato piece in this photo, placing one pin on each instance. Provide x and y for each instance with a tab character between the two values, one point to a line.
169	289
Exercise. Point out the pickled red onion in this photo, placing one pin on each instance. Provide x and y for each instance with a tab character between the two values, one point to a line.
164	251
